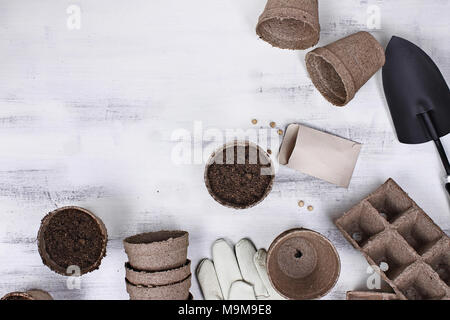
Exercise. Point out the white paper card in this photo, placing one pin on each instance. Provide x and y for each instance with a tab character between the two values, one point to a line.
319	154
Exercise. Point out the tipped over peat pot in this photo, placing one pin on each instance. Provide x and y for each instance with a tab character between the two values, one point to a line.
157	251
239	175
72	236
341	68
302	264
290	24
28	295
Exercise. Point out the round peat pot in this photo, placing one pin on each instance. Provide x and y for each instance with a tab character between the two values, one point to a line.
341	68
290	24
157	278
29	295
239	175
175	291
302	264
72	240
157	251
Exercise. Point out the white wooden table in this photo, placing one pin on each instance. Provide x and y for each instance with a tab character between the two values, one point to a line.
88	116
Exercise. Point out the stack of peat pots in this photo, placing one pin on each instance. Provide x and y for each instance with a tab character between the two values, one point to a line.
157	267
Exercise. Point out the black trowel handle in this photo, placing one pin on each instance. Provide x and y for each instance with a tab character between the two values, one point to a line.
432	132
443	156
445	162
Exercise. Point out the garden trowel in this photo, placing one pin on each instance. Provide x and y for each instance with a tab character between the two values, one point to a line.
418	97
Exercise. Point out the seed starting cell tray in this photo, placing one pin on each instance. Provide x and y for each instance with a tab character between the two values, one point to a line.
370	295
391	230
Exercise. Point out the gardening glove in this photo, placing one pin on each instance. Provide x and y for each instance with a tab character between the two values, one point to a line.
235	275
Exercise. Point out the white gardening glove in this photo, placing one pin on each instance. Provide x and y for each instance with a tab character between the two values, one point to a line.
240	275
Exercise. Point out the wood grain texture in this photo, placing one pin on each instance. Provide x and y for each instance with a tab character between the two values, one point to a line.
87	118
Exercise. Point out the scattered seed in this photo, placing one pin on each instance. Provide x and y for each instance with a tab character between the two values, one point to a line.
280	132
254	121
273	124
310	208
301	203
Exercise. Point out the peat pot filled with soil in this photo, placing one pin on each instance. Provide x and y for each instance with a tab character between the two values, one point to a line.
72	237
34	294
239	175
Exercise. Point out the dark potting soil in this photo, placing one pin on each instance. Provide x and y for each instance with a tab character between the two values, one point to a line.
17	298
237	184
73	238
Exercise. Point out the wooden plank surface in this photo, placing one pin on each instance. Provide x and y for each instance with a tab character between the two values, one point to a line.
88	117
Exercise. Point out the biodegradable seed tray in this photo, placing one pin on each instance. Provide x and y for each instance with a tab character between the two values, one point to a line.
370	295
389	227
